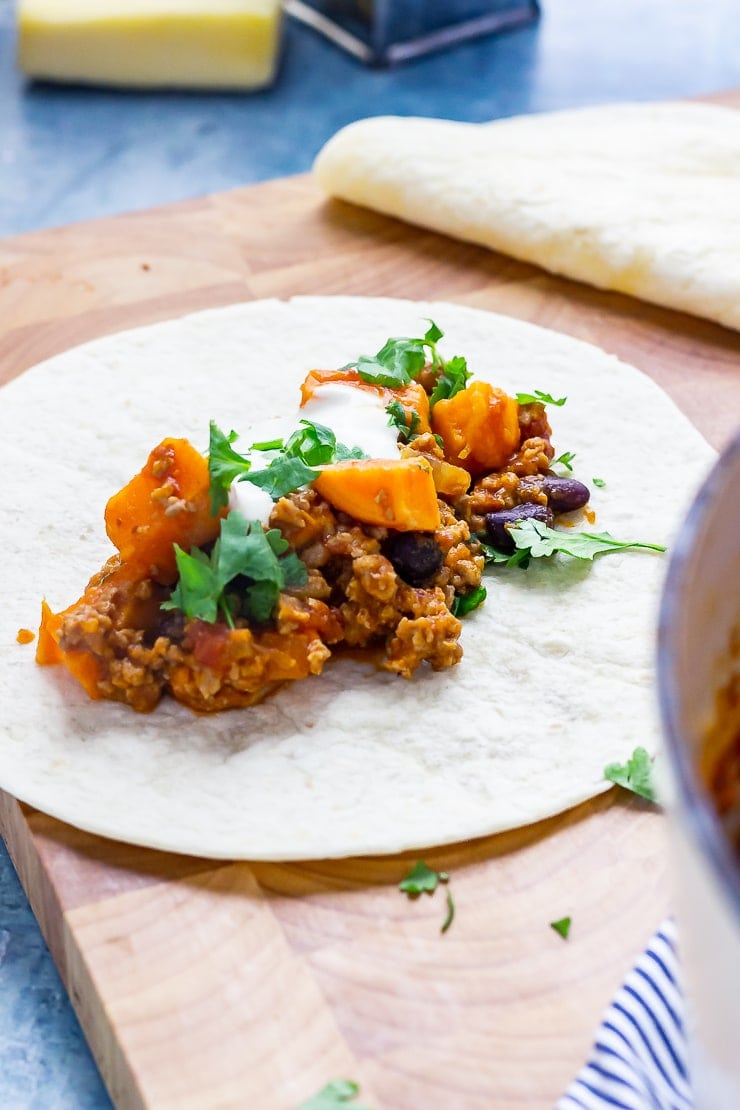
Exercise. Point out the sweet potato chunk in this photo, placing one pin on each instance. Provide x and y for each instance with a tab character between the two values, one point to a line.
47	649
479	427
167	502
396	493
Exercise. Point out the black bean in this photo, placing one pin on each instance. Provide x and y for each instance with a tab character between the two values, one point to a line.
496	523
416	556
565	494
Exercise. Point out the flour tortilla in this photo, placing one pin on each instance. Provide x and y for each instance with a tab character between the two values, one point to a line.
557	675
641	198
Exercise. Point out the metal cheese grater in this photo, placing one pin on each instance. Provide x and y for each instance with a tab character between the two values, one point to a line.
382	32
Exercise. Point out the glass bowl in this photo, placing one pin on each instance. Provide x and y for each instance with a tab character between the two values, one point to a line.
699	615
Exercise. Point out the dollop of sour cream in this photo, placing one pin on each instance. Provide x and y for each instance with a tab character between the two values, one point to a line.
251	501
356	416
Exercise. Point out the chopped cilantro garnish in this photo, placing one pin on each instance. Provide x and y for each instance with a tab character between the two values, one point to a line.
281	476
634	775
268	445
535	540
225	465
539	397
462	604
401	360
566	460
313	444
562	926
339	1092
598	482
396	364
310	445
452	378
491	554
406	423
260	560
422	879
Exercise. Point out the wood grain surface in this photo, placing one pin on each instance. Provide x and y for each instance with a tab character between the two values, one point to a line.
251	985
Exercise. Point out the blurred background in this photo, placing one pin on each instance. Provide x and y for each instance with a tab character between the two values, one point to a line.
70	152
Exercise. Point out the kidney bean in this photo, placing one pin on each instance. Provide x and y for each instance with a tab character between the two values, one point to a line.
565	494
496	523
415	556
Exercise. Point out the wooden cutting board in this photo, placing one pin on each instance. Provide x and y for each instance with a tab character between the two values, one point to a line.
251	985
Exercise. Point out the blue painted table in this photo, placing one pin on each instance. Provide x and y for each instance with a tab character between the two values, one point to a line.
68	154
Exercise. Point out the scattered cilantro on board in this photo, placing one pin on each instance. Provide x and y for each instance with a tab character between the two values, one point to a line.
450	912
339	1092
562	926
422	879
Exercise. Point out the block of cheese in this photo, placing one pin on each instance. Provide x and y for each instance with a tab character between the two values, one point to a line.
222	44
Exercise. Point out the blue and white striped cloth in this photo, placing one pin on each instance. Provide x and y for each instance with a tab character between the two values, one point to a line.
639	1059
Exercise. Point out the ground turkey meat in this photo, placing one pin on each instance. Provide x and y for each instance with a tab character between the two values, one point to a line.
353	596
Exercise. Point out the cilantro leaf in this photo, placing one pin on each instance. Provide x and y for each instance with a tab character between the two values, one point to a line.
462	604
538	541
197	591
294	569
566	460
538	397
225	465
562	926
433	334
422	880
396	364
245	551
281	476
453	377
311	445
339	1092
239	545
598	482
490	553
259	600
400	361
450	913
342	453
267	445
406	423
634	775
